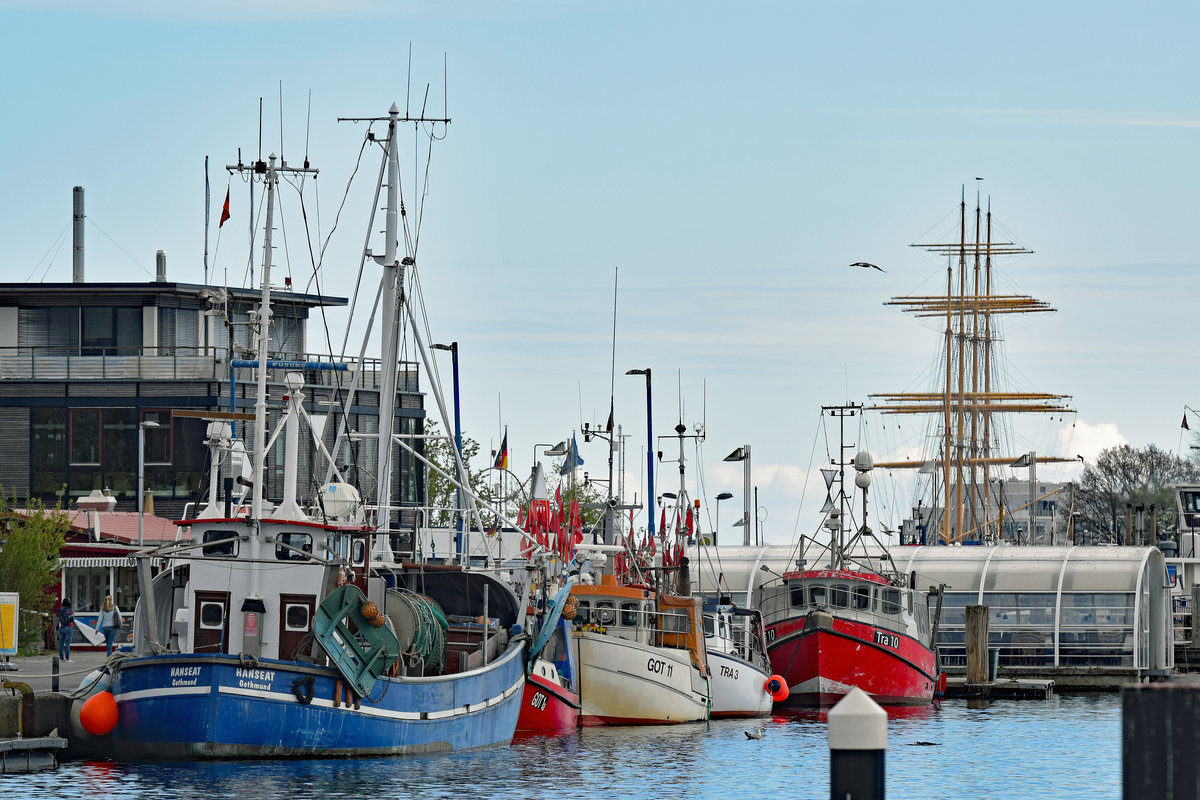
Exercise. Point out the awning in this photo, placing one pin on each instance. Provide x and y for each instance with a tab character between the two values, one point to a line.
83	561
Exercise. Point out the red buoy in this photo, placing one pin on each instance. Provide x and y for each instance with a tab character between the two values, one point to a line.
98	715
778	689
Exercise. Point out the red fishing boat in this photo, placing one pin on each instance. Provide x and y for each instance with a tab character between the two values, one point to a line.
833	629
549	705
853	621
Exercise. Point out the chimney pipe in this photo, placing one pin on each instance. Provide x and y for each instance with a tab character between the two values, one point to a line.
77	262
160	262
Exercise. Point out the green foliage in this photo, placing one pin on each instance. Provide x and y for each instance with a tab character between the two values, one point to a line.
1125	475
29	560
441	498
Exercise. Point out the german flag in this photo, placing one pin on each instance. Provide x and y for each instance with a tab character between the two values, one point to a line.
502	453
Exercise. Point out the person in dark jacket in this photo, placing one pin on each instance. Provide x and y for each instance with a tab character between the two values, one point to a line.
66	629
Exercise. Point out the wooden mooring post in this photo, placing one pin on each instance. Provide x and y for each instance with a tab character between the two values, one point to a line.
977	645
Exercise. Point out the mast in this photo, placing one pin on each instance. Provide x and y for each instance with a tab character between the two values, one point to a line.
837	535
964	406
263	320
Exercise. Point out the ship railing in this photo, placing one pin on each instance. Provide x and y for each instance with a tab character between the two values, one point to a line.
657	628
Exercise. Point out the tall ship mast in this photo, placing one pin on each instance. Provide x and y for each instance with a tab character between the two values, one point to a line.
969	400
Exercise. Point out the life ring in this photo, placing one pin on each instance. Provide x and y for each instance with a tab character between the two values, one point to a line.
304	688
777	687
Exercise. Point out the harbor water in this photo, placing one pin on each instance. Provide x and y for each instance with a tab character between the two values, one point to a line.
1065	747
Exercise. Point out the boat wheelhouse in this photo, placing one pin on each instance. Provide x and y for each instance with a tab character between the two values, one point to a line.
641	656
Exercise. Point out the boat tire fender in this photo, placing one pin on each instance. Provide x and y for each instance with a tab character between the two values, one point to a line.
304	688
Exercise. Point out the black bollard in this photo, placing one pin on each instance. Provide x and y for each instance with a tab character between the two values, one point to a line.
54	674
1159	737
857	748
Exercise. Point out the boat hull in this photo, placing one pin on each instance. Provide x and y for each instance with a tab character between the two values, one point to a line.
821	663
739	689
547	707
625	682
214	706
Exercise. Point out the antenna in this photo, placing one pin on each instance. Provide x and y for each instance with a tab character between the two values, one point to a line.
281	158
408	82
307	126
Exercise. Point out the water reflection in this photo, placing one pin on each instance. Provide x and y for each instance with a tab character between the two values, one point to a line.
1066	746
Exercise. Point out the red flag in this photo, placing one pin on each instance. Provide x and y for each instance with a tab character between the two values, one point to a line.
558	496
688	523
662	522
224	211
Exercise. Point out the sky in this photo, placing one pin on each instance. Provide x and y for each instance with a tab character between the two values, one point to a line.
723	164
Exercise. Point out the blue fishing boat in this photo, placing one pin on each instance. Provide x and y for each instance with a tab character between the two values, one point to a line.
289	630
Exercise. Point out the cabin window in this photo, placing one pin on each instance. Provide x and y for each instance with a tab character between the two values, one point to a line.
817	595
606	612
583	613
299	541
861	598
797	595
891	601
839	595
226	543
295	617
676	622
358	552
629	615
212	615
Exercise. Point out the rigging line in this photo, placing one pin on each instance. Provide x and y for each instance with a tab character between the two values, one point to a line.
122	249
804	487
425	184
362	259
55	246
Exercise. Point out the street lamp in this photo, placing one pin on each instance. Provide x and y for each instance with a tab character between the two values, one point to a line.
743	454
453	349
1029	460
649	449
141	498
559	449
717	528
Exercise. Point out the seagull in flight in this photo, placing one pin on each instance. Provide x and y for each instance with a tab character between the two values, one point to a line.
868	265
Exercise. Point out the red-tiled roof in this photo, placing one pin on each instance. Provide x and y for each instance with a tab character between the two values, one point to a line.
120	526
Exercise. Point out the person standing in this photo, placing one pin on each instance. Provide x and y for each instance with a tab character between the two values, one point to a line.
66	629
109	622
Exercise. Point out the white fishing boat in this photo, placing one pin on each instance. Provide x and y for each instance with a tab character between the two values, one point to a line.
641	655
741	672
290	629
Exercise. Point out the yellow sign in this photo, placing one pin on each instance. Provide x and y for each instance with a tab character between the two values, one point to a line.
10	603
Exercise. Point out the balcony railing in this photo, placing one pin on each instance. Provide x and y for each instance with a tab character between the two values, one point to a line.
53	363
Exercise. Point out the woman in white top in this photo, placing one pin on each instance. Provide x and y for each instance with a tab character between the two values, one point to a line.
109	622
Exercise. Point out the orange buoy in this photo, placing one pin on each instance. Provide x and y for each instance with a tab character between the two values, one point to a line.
777	687
98	715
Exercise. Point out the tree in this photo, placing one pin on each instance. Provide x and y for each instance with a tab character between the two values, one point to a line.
441	496
29	546
1122	476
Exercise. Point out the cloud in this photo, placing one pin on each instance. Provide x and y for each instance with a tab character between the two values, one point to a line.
1089	440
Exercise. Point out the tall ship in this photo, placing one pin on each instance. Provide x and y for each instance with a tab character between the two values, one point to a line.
290	630
971	410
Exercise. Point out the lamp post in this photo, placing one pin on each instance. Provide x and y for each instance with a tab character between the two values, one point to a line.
141	498
649	449
559	449
717	528
453	348
743	454
1029	460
